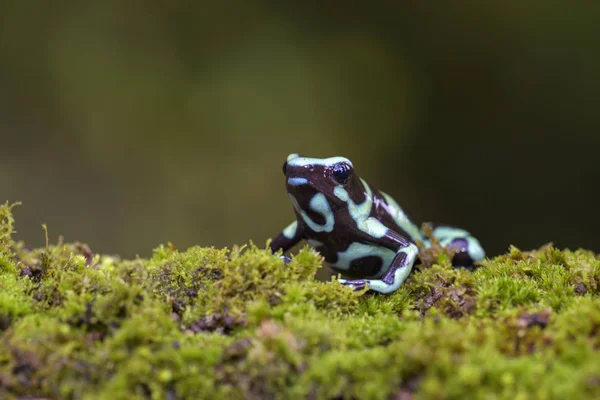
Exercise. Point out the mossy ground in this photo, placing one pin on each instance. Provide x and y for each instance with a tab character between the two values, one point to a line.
209	323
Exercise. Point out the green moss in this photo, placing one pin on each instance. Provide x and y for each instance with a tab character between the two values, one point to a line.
219	323
14	301
7	229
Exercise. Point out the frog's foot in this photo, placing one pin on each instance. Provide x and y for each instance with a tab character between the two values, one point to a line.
356	285
395	275
390	282
468	250
286	260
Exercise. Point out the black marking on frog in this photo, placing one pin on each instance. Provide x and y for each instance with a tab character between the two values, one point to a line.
368	266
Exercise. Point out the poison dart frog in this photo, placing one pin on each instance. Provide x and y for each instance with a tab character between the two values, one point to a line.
361	232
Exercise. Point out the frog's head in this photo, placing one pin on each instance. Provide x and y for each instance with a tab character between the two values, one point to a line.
309	178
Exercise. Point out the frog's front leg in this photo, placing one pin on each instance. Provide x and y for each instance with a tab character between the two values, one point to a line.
398	270
287	239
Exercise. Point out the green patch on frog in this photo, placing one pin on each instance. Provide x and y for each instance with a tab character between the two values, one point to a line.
240	323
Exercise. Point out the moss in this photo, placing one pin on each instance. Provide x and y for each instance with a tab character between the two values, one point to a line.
219	323
7	229
14	301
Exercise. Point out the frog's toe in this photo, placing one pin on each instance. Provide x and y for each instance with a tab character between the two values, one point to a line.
356	285
286	260
468	250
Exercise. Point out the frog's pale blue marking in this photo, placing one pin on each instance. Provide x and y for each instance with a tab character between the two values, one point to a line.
290	231
297	181
475	249
358	250
314	243
327	162
292	156
401	218
446	235
400	274
360	212
320	205
373	227
341	193
448	231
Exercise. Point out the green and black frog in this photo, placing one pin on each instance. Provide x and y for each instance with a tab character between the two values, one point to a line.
361	232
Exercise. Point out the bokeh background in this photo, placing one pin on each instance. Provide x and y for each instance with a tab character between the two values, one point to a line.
127	124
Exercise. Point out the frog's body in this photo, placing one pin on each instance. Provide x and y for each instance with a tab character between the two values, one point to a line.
363	233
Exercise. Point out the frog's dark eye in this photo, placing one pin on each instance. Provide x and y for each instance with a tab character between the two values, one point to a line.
284	167
341	172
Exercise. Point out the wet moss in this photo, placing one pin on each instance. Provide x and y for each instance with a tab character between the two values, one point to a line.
219	323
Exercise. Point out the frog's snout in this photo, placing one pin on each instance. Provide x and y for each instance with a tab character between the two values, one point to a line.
289	158
292	172
294	175
285	168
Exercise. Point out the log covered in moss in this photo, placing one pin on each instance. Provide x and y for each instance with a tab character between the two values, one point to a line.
218	323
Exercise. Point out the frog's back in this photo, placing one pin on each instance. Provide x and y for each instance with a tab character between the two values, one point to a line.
389	213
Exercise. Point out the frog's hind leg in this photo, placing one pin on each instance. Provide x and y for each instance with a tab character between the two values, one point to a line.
468	249
395	275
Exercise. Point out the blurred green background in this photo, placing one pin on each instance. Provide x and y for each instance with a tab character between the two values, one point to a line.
128	124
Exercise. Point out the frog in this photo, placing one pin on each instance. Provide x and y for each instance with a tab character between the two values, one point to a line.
361	232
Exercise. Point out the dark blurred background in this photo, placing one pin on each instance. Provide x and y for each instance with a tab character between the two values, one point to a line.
127	124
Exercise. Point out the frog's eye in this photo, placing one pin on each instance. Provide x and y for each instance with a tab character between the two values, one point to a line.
341	172
284	167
